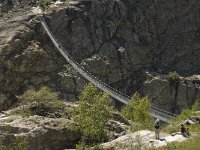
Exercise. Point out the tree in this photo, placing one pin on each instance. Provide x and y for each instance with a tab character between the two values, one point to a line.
92	114
137	110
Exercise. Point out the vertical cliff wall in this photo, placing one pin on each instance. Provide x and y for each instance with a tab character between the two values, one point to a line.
117	41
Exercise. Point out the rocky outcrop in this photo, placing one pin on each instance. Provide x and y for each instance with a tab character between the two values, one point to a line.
40	132
117	41
125	38
172	98
143	139
27	64
23	60
150	32
53	130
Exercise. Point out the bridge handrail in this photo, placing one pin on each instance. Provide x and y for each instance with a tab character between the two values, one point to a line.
81	67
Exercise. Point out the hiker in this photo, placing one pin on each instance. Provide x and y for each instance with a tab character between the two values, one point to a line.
184	130
157	129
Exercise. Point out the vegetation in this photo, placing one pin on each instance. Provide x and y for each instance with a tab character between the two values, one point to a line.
92	114
173	76
192	143
17	143
83	146
137	110
43	2
42	101
185	114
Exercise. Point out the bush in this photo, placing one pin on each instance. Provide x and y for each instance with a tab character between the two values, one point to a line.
44	99
173	76
83	146
42	95
92	114
43	2
137	110
185	114
18	143
189	111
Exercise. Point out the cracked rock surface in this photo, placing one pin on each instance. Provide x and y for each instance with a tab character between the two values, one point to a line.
117	41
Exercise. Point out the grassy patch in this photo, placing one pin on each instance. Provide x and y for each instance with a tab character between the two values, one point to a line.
191	144
17	143
185	114
8	120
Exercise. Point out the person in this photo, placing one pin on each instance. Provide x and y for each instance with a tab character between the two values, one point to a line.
184	130
157	129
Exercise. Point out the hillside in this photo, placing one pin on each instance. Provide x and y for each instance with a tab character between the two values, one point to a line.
133	45
146	46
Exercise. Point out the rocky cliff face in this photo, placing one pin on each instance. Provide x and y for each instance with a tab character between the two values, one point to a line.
126	38
53	132
117	41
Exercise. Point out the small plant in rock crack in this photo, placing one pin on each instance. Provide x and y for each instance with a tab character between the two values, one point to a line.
173	76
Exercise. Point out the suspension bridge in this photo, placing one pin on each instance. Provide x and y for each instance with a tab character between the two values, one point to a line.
163	115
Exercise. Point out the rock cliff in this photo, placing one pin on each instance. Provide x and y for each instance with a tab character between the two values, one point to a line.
50	132
117	41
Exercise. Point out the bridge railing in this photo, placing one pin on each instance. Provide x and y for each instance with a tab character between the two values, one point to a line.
113	92
156	112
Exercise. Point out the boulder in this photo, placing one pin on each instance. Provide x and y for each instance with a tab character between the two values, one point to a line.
143	139
40	132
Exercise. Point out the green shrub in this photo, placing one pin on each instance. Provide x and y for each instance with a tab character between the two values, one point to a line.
83	146
44	99
92	114
97	147
42	95
185	114
43	2
18	143
137	110
173	76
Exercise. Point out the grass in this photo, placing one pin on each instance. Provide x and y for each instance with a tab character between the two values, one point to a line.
8	120
17	143
193	143
185	114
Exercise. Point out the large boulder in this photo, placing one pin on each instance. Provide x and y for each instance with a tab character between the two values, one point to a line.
143	139
40	132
